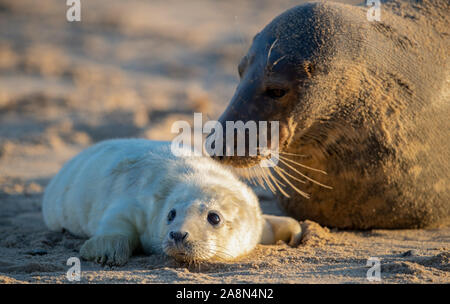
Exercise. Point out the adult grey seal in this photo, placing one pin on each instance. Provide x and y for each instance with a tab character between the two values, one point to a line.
367	102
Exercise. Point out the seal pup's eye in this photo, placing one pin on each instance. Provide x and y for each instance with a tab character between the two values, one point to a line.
213	218
275	93
171	215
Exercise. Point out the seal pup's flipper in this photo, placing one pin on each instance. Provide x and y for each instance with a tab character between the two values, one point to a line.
282	228
111	250
116	237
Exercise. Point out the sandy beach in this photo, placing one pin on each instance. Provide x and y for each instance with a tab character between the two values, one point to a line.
130	69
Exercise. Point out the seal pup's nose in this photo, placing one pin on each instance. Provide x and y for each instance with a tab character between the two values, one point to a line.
178	236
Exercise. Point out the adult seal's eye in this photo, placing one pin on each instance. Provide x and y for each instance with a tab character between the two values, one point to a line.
275	93
171	215
213	218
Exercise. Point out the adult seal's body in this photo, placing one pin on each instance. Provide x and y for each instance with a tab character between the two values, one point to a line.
125	194
365	101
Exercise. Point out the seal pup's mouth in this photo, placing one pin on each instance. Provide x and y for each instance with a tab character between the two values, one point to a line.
186	251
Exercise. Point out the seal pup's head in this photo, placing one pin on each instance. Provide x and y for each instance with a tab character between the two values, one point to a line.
210	217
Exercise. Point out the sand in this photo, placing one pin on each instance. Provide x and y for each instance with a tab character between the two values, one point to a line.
130	70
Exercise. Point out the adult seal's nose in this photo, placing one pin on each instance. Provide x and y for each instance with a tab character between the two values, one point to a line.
178	236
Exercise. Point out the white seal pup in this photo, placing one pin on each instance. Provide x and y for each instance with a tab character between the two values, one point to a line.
129	193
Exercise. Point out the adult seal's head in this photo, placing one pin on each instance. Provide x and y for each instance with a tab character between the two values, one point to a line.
363	101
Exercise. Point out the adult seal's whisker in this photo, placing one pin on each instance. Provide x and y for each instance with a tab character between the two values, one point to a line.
301	165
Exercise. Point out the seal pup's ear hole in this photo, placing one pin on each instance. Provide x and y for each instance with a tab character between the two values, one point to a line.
309	68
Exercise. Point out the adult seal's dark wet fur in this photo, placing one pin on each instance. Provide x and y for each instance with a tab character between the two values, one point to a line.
367	102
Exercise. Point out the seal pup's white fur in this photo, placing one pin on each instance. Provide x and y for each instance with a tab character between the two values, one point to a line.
134	192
